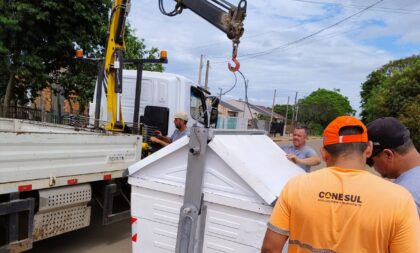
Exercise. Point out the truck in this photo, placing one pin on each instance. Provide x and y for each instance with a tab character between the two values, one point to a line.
50	175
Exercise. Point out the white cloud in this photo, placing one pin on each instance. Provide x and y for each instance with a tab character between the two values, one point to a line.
336	58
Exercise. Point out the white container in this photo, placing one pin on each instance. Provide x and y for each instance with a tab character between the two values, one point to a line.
243	178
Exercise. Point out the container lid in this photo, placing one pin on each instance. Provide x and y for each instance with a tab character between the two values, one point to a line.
260	162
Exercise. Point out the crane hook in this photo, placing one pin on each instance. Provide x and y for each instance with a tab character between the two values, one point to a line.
237	65
234	53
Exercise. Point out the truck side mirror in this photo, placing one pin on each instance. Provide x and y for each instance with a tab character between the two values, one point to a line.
214	115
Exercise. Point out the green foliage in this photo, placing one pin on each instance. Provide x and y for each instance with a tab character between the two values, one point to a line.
260	116
38	40
80	79
80	76
315	129
410	117
281	109
136	49
321	107
394	90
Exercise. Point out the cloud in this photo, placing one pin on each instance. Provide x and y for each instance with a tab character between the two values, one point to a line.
340	57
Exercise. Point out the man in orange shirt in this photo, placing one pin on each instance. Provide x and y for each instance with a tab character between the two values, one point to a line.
343	208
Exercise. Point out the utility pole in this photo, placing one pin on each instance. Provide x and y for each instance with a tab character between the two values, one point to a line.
206	82
200	67
272	111
220	94
294	111
287	112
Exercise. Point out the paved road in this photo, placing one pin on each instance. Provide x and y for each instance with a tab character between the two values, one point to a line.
115	238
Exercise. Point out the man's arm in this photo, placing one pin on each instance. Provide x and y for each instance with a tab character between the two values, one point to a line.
273	242
278	227
163	140
310	161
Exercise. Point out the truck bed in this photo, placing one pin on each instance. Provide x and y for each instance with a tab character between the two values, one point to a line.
47	155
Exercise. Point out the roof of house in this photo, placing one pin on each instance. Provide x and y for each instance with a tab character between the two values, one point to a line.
229	106
267	111
263	110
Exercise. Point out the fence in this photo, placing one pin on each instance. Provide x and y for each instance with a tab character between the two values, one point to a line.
20	112
27	113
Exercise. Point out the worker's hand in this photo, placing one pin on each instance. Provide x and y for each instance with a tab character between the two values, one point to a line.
154	139
293	158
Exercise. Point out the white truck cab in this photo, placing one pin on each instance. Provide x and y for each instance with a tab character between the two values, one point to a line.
164	90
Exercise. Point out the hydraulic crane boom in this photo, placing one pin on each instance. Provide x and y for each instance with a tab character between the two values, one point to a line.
114	64
219	13
223	15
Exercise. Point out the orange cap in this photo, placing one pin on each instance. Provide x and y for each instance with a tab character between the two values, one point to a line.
331	132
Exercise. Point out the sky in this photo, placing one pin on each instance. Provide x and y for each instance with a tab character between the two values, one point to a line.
344	49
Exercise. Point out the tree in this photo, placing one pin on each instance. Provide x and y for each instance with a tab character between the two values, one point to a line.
394	90
80	76
136	49
322	106
376	80
37	41
79	79
281	109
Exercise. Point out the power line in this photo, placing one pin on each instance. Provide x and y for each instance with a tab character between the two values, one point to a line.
384	9
233	86
327	36
246	37
265	52
246	94
254	55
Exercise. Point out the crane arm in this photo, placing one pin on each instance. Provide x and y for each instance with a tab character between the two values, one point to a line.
114	63
223	15
220	13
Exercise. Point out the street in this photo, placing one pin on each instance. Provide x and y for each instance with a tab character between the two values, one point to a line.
96	238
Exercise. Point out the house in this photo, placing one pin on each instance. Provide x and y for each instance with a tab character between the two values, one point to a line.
48	101
258	116
230	117
228	110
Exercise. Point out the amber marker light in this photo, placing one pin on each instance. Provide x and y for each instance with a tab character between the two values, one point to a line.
79	53
163	54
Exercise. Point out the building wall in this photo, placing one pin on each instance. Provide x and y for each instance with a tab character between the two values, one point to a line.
226	112
242	105
47	101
